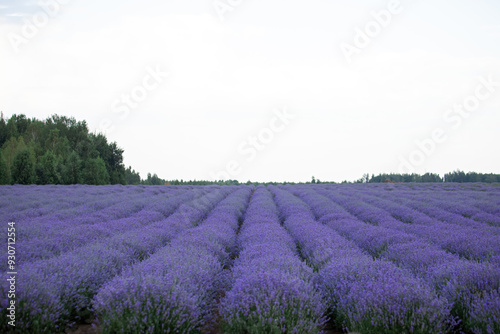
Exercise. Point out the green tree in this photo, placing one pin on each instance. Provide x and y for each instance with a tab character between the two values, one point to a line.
11	127
34	131
62	136
10	149
23	168
131	176
4	175
47	172
22	123
94	172
490	178
4	136
154	180
117	176
72	169
112	156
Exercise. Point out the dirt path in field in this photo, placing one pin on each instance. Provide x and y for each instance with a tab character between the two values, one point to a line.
215	329
84	329
330	328
89	329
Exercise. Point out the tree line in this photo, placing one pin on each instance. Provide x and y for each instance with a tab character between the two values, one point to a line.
58	150
61	150
455	176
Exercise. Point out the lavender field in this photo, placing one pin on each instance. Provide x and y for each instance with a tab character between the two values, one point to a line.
366	258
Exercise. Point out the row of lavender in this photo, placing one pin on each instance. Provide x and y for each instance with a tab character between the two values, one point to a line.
164	261
271	289
363	294
59	231
437	252
471	239
475	241
22	203
174	290
55	291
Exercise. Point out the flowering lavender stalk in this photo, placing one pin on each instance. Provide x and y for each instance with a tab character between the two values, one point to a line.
485	313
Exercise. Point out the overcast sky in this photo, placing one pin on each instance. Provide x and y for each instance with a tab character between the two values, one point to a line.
265	90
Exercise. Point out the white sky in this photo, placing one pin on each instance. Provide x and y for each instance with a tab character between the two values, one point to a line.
227	78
